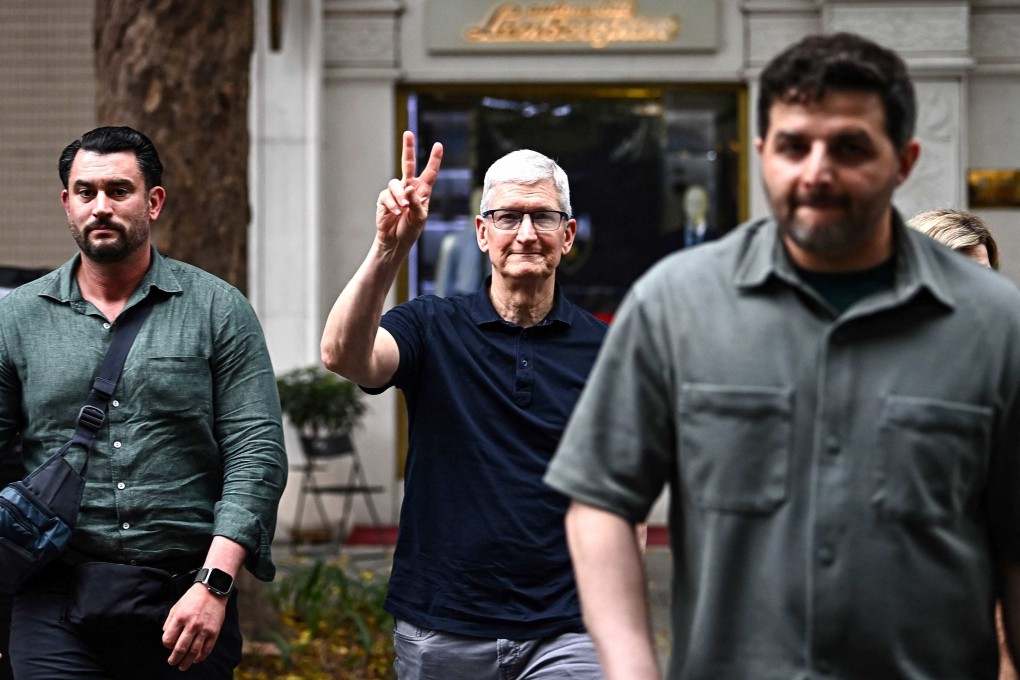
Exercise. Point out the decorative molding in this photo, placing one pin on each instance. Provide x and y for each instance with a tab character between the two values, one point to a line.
914	28
361	34
361	41
765	36
996	36
939	67
335	74
779	6
997	69
362	6
978	5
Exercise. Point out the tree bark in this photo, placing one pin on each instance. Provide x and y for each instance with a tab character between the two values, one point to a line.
178	71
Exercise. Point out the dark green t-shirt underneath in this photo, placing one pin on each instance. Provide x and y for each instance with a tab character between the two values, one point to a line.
843	289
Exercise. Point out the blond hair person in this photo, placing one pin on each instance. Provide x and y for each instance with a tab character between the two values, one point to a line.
960	231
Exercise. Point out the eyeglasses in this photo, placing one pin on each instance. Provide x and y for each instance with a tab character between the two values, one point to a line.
541	220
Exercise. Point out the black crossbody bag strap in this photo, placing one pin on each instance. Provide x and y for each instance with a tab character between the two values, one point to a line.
93	414
39	513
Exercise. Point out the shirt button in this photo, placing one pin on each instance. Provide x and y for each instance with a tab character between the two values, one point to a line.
832	445
116	445
826	555
106	326
133	562
115	403
121	485
125	525
524	362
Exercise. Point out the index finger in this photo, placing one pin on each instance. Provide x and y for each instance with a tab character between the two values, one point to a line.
407	158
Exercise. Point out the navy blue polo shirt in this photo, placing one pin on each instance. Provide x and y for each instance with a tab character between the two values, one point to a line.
481	549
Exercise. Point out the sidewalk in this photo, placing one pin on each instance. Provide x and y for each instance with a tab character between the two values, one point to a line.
659	572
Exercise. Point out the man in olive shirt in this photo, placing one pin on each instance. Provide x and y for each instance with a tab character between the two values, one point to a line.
188	470
834	400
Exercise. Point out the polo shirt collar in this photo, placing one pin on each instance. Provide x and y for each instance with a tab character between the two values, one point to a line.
64	286
482	310
763	257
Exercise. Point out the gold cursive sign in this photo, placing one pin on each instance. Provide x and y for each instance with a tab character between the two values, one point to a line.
597	24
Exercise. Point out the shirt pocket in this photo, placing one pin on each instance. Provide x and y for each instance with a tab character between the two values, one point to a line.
180	386
735	444
932	456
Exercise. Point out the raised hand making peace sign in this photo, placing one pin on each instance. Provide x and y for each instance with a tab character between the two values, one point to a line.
403	205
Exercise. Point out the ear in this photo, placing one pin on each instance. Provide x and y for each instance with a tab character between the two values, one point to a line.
570	231
63	201
481	234
157	196
759	144
908	156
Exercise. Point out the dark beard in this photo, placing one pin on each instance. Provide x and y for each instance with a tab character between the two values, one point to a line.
106	252
833	240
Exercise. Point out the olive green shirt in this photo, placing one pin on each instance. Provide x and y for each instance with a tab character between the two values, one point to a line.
841	484
193	444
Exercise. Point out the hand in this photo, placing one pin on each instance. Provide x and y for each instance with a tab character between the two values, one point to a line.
403	205
193	626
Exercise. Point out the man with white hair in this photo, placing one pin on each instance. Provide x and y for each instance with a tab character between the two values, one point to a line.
482	585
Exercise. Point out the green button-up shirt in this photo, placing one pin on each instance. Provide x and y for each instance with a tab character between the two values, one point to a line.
193	444
841	483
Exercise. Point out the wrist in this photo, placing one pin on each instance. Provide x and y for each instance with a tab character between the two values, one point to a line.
391	252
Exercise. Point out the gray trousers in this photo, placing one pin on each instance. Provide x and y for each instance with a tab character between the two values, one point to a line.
425	654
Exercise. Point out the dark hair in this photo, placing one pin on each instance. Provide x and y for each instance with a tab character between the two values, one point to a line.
805	71
111	140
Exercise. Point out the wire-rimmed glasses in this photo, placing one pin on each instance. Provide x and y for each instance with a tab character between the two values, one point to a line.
541	220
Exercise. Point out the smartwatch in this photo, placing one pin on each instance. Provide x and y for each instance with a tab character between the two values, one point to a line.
216	580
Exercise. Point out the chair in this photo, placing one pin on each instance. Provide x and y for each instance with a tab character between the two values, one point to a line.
319	452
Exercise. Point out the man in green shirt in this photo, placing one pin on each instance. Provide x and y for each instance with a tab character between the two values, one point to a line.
186	473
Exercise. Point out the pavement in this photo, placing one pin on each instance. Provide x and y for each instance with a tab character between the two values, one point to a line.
659	571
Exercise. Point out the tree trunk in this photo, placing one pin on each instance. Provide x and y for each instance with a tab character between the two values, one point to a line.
178	71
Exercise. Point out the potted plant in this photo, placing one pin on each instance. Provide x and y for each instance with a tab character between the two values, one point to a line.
322	406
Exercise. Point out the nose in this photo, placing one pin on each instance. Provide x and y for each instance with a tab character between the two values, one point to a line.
526	232
101	204
818	165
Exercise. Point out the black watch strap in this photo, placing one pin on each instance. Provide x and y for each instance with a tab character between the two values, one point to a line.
216	580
